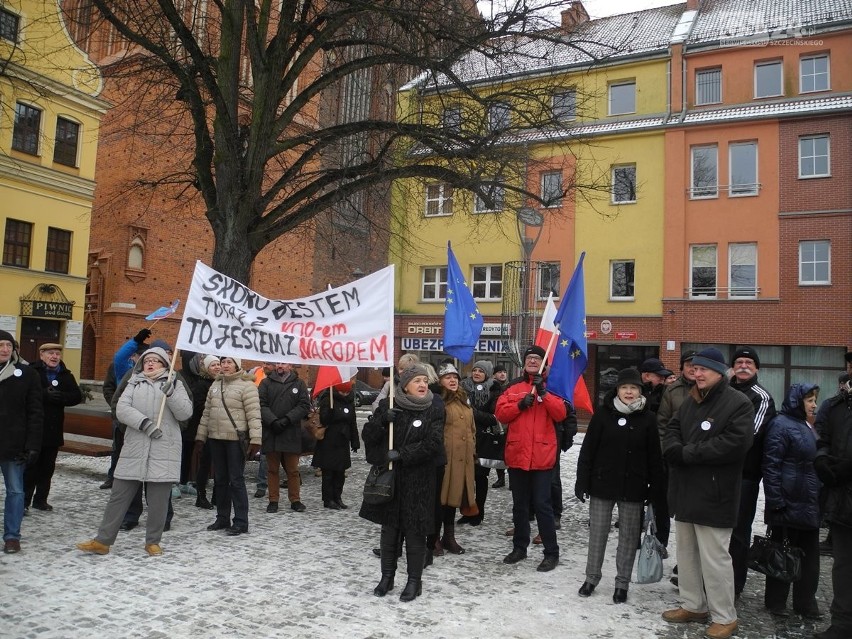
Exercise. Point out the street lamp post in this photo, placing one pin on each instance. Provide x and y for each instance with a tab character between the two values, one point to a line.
529	224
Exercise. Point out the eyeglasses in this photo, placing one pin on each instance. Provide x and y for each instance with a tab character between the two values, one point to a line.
152	360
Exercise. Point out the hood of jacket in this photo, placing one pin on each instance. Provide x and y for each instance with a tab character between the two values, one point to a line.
794	400
156	350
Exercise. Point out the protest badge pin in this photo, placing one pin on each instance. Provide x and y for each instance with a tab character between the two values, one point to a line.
479	387
346	410
417	423
622	422
17	372
295	390
55	382
705	425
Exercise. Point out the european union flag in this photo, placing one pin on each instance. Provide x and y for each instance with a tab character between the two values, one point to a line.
462	319
570	356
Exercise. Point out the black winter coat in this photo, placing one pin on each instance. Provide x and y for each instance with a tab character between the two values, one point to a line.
413	505
341	432
764	412
54	411
283	397
620	458
790	483
490	441
715	431
199	384
21	410
834	457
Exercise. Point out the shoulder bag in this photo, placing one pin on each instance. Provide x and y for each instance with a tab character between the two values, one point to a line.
777	559
649	565
379	486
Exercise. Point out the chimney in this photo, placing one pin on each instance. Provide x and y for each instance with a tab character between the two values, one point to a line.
574	15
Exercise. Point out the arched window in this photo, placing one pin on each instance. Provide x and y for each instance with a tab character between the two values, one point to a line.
136	255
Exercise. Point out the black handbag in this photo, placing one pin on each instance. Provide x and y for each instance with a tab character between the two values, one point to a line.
378	489
777	559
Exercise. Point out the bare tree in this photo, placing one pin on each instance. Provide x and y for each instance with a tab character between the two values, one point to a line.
272	112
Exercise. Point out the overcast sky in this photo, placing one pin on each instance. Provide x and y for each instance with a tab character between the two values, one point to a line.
599	8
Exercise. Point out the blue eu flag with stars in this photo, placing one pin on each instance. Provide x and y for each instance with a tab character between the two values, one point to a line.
570	356
462	319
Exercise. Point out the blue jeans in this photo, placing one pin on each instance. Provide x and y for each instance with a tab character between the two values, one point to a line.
533	485
262	469
13	513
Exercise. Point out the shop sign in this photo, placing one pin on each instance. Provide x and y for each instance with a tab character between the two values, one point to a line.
56	310
437	329
437	344
626	335
591	334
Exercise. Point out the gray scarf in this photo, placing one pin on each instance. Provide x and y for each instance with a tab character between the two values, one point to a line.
632	407
408	402
478	398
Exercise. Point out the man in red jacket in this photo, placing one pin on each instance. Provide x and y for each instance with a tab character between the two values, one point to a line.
531	449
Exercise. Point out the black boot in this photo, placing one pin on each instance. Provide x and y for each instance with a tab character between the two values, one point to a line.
413	589
201	500
415	552
448	541
388	545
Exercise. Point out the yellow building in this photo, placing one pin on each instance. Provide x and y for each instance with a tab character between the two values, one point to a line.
609	109
49	118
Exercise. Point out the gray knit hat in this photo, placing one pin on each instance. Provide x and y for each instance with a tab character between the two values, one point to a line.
410	373
486	366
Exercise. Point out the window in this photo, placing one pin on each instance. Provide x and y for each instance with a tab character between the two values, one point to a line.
813	74
551	188
27	127
136	255
496	192
16	243
768	81
434	283
708	86
9	25
702	276
439	200
624	184
814	156
451	119
548	280
621	279
58	250
67	135
488	282
705	182
564	105
498	117
622	98
742	262
814	262
743	168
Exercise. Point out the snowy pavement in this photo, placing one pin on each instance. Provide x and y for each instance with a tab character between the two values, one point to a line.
312	574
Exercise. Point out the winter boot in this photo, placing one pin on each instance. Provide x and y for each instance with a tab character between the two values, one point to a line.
415	551
388	544
449	540
201	500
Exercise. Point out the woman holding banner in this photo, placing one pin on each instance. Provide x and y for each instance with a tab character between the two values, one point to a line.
417	423
152	405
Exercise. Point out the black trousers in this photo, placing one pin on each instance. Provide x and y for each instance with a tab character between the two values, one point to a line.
661	510
556	488
804	590
480	483
117	444
535	485
332	484
439	509
841	577
37	477
741	534
229	481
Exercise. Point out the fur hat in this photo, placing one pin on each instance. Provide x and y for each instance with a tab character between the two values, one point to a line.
534	350
711	358
50	347
209	360
746	351
447	369
410	373
629	376
486	366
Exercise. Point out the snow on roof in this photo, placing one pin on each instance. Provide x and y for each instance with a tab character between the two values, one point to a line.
767	110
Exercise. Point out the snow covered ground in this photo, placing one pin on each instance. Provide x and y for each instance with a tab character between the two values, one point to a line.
311	574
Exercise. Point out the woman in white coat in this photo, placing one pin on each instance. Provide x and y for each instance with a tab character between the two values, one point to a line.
151	451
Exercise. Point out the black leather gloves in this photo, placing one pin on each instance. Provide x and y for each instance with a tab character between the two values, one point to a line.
141	336
392	415
527	401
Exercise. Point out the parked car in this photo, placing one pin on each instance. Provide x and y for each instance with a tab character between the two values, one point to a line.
364	393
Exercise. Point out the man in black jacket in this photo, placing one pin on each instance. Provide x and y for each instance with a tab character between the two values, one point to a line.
705	445
746	363
21	417
59	389
833	465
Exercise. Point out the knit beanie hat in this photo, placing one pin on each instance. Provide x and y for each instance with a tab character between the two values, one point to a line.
629	376
746	351
534	350
410	373
447	369
711	358
486	366
6	336
237	361
210	359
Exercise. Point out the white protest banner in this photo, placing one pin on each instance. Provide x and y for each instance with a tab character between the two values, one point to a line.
351	324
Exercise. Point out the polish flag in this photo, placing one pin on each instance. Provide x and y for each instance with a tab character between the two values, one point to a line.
545	337
328	376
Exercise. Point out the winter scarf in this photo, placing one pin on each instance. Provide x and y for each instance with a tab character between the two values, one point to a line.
415	404
479	393
632	407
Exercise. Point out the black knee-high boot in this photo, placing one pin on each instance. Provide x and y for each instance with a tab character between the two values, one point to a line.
388	543
415	550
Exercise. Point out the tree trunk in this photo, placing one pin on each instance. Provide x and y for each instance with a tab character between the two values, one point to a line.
231	253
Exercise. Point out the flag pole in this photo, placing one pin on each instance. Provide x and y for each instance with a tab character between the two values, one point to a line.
168	379
390	404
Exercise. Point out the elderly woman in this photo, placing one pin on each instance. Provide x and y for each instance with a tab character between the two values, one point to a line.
791	487
231	417
457	489
151	451
417	422
620	464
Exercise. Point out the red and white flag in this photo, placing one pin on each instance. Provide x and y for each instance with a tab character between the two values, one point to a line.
328	376
546	337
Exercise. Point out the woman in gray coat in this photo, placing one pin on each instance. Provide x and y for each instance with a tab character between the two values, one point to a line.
151	451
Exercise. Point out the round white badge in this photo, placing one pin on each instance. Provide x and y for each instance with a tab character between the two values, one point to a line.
622	421
295	390
55	382
417	423
346	410
479	387
705	425
17	372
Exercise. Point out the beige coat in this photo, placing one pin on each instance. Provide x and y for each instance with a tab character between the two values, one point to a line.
240	394
460	444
